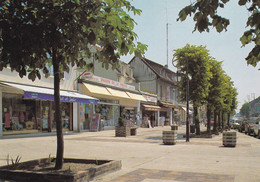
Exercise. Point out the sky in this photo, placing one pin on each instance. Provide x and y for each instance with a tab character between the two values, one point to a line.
224	46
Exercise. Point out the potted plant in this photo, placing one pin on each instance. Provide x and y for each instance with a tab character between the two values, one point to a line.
122	130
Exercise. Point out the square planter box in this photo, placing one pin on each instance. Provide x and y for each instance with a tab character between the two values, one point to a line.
22	175
169	137
229	138
122	131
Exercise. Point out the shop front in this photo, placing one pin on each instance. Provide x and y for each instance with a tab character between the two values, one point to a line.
166	112
114	102
150	115
29	109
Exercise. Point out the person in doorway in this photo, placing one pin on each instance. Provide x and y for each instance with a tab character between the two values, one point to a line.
152	120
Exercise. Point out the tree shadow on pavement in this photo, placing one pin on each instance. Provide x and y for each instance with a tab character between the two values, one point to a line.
179	137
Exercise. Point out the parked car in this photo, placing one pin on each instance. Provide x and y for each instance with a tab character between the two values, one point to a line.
257	128
235	124
241	127
249	126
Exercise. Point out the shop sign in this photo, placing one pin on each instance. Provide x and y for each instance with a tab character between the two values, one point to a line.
109	82
33	95
150	99
87	75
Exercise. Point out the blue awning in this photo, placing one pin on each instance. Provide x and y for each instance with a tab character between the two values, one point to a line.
32	92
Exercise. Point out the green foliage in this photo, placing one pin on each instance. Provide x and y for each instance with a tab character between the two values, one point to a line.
31	30
245	110
121	122
205	15
195	61
215	96
14	163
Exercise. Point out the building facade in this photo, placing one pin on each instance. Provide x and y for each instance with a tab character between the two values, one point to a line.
27	107
255	107
118	95
159	80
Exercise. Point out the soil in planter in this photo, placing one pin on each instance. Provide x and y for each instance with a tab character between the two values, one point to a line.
67	168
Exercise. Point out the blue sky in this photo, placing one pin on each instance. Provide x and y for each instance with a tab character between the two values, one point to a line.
225	46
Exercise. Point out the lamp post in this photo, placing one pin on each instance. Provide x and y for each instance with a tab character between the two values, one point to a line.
187	99
187	103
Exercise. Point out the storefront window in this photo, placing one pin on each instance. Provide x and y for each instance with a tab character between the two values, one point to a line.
129	114
31	116
18	114
108	115
85	115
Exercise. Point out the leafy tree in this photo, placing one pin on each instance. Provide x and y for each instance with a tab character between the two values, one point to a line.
34	33
214	97
205	15
234	103
227	98
194	61
245	110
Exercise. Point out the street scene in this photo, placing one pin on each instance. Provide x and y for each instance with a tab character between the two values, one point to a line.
129	91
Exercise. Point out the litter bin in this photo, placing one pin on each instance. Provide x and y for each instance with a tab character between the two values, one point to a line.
192	128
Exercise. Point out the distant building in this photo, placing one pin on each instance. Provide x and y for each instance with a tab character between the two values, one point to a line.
255	107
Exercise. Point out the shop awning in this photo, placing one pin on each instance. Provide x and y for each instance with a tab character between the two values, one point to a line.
95	89
184	108
136	96
151	107
166	104
118	94
32	92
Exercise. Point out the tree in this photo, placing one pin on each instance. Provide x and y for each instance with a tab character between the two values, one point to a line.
34	33
229	98
234	103
194	60
214	97
245	110
205	15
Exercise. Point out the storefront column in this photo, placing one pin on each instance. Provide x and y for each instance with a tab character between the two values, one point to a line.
1	114
158	118
75	116
171	116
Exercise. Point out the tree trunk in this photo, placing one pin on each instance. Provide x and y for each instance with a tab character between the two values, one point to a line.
228	115
197	123
219	121
57	116
215	122
208	119
222	120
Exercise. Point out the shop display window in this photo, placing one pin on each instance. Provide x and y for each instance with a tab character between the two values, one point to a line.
108	115
29	116
18	114
85	115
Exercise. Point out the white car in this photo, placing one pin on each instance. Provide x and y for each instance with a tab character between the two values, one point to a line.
256	127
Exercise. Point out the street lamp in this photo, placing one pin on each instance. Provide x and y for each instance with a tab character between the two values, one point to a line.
187	98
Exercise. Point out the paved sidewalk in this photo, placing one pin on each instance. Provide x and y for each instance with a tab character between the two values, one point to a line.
145	159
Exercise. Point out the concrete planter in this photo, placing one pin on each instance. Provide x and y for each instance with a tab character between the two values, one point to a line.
174	127
21	175
122	131
133	131
229	138
169	137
